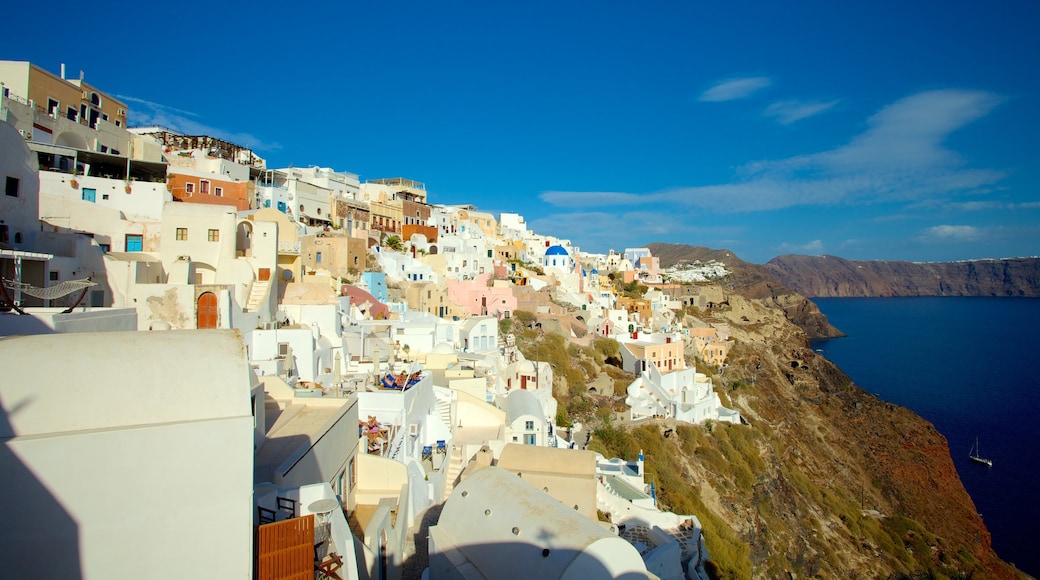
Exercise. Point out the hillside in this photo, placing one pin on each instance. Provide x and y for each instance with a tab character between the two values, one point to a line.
826	480
829	276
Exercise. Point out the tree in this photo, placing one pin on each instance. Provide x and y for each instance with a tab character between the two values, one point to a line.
394	243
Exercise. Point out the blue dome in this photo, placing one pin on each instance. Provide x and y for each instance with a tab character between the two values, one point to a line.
556	251
594	272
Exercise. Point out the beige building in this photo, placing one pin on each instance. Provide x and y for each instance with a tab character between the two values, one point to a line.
569	475
342	256
61	111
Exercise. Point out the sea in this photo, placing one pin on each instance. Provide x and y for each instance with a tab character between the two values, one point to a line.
971	366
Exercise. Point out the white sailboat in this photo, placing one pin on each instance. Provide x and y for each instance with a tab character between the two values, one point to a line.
976	455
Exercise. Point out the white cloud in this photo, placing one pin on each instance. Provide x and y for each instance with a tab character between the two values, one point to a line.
788	112
900	157
736	88
814	247
602	230
181	121
951	233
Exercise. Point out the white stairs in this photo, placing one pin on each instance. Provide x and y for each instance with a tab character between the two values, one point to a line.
257	295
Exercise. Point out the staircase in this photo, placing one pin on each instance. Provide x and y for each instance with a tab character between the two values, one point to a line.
257	295
444	409
455	466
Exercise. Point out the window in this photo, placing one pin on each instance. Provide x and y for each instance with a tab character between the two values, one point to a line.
104	116
11	187
134	242
214	235
89	194
203	187
182	234
104	148
54	277
105	247
52	106
70	113
318	258
218	191
104	196
189	188
529	425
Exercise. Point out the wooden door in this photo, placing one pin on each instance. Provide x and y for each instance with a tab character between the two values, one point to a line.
206	312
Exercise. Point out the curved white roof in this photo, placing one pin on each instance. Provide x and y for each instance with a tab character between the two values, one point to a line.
57	383
506	528
520	403
443	348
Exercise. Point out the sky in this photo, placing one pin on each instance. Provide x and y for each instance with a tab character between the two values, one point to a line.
867	130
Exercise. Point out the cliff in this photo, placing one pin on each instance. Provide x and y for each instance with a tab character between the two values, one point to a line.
753	281
830	276
825	480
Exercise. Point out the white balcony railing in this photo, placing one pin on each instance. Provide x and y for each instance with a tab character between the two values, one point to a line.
290	248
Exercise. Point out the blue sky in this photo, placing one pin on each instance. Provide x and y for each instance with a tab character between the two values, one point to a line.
880	130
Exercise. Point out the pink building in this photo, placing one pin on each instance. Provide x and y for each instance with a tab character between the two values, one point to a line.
476	298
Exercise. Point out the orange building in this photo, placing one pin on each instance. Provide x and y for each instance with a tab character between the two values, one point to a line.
210	189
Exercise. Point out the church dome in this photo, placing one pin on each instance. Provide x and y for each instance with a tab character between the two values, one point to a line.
556	251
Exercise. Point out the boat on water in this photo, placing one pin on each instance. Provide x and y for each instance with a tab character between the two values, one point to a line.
976	455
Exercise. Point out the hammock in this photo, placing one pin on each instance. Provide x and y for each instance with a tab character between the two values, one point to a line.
51	292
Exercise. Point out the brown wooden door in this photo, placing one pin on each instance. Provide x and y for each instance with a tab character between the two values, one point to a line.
206	311
265	274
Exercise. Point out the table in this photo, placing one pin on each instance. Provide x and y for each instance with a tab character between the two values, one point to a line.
322	509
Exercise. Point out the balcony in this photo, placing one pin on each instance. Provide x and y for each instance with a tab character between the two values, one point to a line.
289	248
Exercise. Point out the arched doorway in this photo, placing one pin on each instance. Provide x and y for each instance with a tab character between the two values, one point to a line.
206	311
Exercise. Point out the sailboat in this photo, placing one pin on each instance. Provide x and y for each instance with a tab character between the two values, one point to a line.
976	456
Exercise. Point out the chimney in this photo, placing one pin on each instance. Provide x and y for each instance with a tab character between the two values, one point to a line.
62	71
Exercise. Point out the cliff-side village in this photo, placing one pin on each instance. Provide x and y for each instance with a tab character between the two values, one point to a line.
213	368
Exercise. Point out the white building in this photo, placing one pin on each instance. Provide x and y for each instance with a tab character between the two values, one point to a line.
136	461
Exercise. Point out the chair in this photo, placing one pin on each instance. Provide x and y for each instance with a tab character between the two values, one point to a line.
266	516
285	503
327	567
442	446
427	452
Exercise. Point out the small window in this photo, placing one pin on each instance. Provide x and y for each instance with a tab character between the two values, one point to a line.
317	258
11	187
104	148
119	123
104	196
70	113
104	116
182	234
203	187
52	106
88	194
134	243
105	248
529	425
54	277
214	235
189	187
218	191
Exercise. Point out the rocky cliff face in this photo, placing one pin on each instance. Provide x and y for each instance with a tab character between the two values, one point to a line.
753	281
829	276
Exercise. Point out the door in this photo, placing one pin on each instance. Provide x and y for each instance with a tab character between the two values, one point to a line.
89	194
206	312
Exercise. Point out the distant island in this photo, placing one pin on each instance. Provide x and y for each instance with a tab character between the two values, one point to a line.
834	277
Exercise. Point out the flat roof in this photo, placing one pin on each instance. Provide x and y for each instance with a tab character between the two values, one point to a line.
296	429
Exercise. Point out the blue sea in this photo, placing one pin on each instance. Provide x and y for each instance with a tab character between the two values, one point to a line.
971	366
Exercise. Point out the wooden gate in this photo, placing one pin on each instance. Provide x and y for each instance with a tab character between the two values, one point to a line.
285	550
